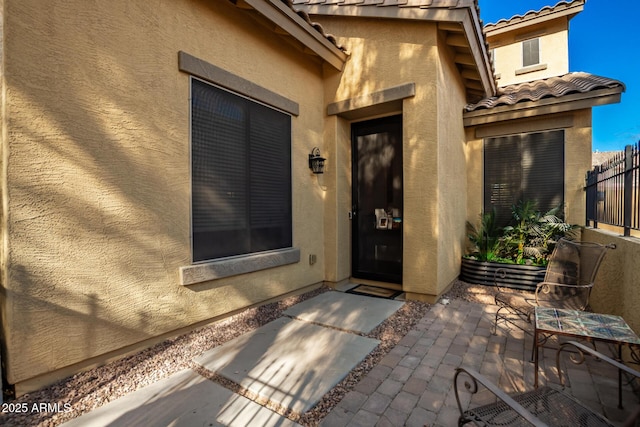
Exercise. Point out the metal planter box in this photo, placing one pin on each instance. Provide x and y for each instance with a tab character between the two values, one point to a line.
524	277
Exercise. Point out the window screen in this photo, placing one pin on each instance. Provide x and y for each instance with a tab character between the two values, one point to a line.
523	167
241	174
530	52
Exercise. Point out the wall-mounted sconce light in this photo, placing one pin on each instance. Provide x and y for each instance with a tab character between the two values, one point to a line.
316	162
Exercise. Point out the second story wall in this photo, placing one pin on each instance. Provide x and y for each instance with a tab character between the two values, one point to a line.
532	46
530	53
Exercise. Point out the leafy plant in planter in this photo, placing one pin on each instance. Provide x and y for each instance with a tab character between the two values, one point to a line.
532	238
529	240
485	238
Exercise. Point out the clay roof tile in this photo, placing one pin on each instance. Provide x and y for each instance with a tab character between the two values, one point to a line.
553	87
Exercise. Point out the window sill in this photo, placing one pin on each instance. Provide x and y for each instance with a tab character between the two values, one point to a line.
531	69
234	266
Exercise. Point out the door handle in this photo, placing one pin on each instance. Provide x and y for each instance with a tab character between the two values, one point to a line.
353	212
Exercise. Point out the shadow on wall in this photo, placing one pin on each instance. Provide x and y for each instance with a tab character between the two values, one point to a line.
616	287
98	185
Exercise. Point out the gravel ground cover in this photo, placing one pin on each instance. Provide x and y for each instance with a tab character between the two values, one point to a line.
480	294
88	390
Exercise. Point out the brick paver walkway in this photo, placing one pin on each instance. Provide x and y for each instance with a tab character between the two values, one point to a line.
413	384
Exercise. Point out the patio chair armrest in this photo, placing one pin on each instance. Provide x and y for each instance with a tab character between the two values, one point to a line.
472	387
540	286
545	287
582	349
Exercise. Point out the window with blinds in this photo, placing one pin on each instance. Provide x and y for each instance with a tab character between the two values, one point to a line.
530	52
523	167
241	174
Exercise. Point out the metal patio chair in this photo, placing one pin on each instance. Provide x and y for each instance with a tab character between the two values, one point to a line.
567	283
545	406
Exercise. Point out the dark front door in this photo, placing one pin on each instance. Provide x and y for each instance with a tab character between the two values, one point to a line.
377	199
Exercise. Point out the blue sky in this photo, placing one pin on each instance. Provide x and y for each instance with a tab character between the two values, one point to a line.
604	39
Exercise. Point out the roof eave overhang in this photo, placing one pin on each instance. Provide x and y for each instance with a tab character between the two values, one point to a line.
287	22
465	16
516	24
473	29
521	110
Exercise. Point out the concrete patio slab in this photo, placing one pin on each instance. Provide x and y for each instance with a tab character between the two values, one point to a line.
289	362
183	399
350	312
411	386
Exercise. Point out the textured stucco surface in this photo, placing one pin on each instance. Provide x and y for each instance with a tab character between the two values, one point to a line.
96	195
577	155
96	168
379	61
452	173
553	48
336	183
382	57
618	280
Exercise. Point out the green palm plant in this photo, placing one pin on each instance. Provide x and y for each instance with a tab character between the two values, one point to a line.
524	213
534	234
486	237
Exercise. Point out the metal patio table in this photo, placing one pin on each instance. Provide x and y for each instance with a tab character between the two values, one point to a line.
583	325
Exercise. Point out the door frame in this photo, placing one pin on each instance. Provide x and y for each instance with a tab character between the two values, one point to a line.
390	122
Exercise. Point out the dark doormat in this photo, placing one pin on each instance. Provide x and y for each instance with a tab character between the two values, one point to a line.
373	291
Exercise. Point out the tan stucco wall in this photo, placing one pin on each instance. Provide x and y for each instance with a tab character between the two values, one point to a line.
96	196
433	146
553	48
337	187
618	280
578	149
378	62
452	181
577	131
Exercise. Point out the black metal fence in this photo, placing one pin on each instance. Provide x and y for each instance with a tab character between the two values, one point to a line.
613	191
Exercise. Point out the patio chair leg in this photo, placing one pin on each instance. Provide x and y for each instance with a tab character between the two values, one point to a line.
499	316
494	328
